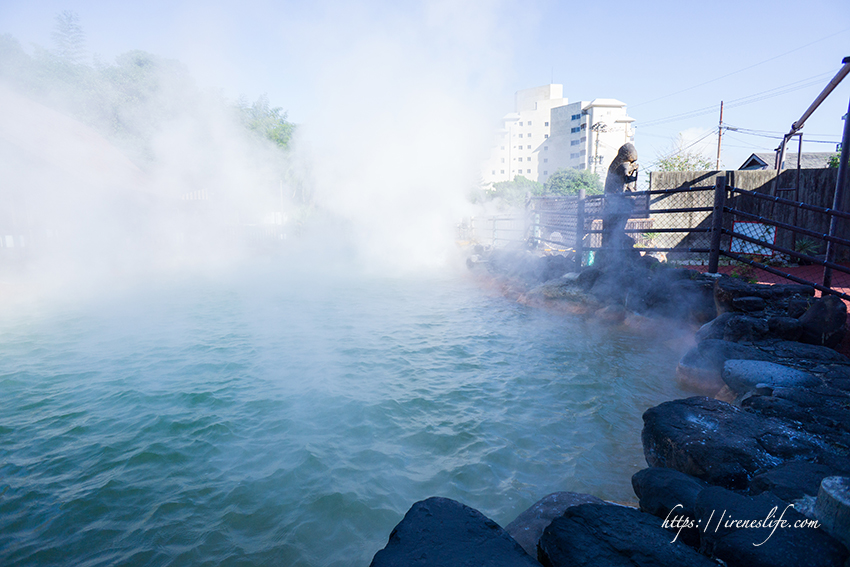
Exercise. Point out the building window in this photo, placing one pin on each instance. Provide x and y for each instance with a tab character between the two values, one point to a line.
520	135
584	138
503	160
529	147
545	123
584	126
584	152
520	159
503	147
528	135
545	173
575	130
573	156
503	171
574	142
545	148
520	123
545	160
545	135
528	171
576	116
582	166
494	172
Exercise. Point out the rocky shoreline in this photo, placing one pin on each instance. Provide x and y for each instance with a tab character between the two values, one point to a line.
755	471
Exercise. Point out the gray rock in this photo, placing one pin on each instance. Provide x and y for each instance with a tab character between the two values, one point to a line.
439	532
747	375
748	304
700	369
797	306
716	328
833	507
726	290
744	328
821	411
612	536
527	528
791	481
722	537
668	493
721	444
824	323
785	328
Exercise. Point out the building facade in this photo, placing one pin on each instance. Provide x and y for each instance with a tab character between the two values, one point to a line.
546	133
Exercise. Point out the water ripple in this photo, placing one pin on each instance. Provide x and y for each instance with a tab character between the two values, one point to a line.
281	420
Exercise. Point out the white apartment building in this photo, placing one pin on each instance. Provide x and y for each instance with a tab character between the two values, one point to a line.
547	132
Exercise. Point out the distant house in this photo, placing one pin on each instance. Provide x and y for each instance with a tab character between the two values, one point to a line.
808	160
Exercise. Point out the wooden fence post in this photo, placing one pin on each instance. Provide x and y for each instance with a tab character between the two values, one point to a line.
717	223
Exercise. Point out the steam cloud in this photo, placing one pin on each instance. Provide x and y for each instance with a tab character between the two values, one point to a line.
380	167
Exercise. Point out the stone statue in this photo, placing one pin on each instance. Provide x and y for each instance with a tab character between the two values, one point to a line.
622	177
622	173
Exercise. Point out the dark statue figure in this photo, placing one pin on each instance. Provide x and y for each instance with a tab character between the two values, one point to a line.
622	178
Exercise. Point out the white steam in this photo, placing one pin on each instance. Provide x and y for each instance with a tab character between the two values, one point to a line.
382	163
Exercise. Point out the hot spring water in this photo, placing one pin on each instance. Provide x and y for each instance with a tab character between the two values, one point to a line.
292	419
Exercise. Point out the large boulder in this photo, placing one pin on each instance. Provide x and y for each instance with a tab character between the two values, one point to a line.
669	494
738	530
792	480
747	375
613	536
824	323
700	369
719	443
439	532
727	290
820	411
527	528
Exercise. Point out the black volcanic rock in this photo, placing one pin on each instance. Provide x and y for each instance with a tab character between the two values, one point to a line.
791	481
527	528
439	532
667	493
720	512
612	536
721	444
824	323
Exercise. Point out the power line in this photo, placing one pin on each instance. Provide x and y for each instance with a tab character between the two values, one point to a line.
734	103
742	70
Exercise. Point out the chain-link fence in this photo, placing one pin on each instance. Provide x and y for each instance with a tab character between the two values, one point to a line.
696	220
771	239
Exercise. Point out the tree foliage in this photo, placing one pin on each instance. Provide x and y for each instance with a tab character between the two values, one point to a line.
515	192
269	123
69	38
685	161
680	158
834	160
570	181
129	100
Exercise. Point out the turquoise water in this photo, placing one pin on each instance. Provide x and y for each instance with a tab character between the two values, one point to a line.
279	418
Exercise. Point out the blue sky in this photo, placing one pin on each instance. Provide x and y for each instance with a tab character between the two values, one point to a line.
767	60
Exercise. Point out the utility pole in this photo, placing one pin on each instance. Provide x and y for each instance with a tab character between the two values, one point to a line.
719	136
598	128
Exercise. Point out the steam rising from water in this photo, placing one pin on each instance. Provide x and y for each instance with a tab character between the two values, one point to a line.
379	170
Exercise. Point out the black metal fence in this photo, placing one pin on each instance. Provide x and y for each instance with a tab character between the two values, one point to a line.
706	225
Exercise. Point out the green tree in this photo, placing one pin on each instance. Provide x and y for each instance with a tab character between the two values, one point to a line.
685	161
514	192
834	160
267	122
69	38
680	158
570	181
